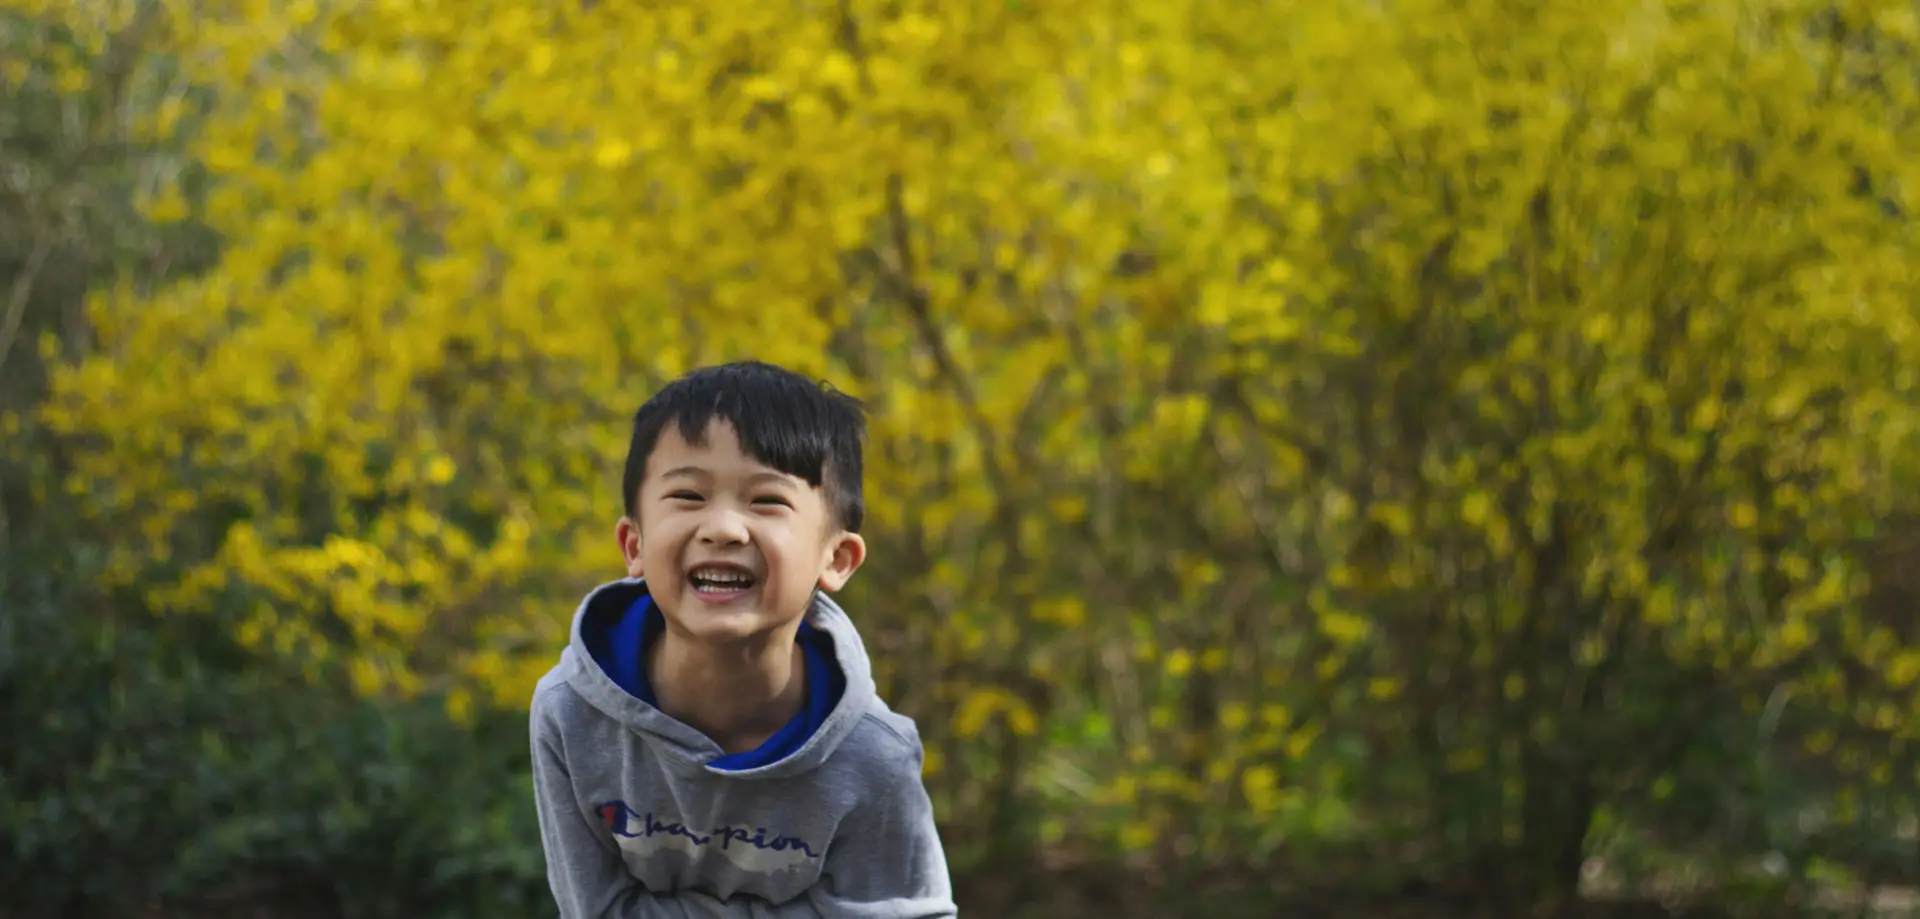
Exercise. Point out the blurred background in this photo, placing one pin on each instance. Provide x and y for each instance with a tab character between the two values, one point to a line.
1355	457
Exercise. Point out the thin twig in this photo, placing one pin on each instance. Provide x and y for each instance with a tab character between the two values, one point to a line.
17	300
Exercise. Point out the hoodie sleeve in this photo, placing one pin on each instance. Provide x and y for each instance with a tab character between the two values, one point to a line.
584	869
887	861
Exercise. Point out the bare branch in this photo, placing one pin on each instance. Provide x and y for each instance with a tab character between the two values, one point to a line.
21	293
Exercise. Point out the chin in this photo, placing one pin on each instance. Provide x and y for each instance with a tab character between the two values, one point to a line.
724	624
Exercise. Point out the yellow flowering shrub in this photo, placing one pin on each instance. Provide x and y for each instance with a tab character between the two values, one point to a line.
1244	377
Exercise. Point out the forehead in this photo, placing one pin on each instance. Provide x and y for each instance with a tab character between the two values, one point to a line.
717	450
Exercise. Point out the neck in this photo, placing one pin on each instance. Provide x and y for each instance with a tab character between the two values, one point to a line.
739	695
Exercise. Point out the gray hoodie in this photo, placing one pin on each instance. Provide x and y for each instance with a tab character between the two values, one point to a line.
638	821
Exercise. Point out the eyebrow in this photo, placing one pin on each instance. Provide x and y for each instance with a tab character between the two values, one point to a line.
695	472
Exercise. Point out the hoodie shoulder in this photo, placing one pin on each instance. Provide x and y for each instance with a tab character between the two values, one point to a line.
884	746
558	709
554	702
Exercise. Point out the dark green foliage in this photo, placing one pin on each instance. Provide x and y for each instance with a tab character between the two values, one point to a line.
150	762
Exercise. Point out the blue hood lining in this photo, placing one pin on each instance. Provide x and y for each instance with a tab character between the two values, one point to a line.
619	648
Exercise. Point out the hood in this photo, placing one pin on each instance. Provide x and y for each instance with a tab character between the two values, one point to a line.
680	746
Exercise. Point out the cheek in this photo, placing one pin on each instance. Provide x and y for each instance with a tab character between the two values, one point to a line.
661	542
803	558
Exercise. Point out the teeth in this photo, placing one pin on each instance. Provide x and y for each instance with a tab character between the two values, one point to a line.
719	579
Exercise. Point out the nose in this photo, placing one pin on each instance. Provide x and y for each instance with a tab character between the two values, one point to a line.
723	527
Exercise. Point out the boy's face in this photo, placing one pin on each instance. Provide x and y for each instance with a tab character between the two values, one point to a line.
731	549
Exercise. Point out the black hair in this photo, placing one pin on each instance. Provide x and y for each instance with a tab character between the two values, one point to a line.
803	428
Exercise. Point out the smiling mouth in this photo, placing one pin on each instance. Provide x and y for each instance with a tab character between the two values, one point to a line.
721	579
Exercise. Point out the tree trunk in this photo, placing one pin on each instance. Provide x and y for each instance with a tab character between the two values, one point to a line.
1559	807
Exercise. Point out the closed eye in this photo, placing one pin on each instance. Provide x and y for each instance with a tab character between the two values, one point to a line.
684	496
774	500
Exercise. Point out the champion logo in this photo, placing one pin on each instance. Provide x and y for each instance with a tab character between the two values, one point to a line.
625	823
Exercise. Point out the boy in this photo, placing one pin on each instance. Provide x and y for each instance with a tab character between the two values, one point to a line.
710	743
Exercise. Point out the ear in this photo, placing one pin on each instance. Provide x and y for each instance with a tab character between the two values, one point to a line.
845	552
628	534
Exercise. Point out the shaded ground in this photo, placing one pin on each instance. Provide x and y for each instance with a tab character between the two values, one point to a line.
1111	892
1120	892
